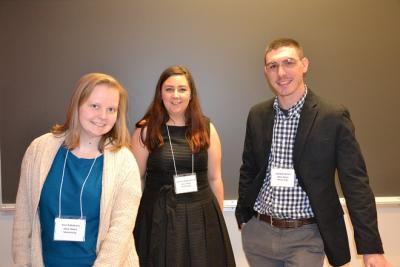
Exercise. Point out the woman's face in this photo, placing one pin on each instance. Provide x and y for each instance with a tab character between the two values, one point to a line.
98	114
176	95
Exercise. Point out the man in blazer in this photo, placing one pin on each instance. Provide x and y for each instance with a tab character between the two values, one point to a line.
288	206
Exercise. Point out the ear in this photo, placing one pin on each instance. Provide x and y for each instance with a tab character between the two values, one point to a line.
305	62
265	71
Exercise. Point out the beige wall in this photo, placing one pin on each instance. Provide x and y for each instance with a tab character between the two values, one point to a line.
388	216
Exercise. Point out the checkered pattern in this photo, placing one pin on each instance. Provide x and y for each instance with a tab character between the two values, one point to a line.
283	202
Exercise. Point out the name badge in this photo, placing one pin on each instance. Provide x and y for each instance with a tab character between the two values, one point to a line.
185	183
282	177
68	229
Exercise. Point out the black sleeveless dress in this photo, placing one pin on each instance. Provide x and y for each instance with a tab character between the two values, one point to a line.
180	229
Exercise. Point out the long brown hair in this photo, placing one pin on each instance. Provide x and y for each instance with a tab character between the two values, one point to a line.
196	134
118	136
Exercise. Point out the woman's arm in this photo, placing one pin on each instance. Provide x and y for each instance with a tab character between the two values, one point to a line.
119	206
140	152
214	166
22	228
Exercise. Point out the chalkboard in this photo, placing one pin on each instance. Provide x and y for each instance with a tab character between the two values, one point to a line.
353	47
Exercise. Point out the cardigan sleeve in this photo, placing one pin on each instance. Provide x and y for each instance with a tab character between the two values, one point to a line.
22	226
117	247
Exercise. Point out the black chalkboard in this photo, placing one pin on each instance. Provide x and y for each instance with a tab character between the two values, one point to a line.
353	47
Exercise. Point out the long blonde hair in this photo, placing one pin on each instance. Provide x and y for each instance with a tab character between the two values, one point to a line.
117	137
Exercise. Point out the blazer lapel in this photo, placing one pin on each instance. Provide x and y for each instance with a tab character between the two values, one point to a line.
267	131
307	118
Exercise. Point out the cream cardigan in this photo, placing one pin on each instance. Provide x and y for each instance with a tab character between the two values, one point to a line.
119	202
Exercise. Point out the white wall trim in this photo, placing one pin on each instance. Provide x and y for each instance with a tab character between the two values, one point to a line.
230	205
7	207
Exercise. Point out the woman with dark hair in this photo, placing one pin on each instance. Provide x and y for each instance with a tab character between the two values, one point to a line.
180	221
79	189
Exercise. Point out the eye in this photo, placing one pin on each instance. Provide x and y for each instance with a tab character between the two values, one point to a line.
94	106
169	89
111	110
182	89
272	66
290	62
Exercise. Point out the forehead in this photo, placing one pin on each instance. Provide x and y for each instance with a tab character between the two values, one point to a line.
104	92
176	80
282	53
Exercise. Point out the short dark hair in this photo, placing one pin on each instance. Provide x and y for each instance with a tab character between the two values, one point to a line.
283	42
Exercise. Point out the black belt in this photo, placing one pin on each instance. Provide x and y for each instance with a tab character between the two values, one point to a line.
285	223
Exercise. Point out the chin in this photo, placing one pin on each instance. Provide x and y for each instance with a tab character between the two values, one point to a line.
98	134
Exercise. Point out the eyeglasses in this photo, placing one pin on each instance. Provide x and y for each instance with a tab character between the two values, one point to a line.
286	64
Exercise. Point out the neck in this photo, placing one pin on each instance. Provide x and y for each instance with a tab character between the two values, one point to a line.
176	121
88	148
85	152
288	101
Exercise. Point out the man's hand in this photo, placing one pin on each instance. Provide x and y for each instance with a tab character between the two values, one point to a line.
376	260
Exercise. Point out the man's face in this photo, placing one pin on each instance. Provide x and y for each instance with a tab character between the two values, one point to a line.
284	70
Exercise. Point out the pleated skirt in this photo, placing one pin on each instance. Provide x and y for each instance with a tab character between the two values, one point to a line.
181	230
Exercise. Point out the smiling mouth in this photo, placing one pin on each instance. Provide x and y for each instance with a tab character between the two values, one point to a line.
98	124
285	82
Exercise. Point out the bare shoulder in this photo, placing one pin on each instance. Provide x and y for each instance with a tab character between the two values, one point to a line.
214	137
212	127
139	134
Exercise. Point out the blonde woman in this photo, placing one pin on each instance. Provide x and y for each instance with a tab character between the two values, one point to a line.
79	188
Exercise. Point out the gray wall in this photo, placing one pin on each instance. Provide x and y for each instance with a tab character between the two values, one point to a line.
353	47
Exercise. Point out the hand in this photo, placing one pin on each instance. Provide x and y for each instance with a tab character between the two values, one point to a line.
376	260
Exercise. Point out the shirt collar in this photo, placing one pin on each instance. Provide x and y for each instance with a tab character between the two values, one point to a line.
295	109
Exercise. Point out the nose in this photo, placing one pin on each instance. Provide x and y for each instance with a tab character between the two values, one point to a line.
176	93
281	70
103	113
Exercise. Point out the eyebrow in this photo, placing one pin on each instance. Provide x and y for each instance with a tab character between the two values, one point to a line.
179	86
272	62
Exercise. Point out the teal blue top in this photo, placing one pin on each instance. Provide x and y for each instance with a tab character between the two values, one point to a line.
70	253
